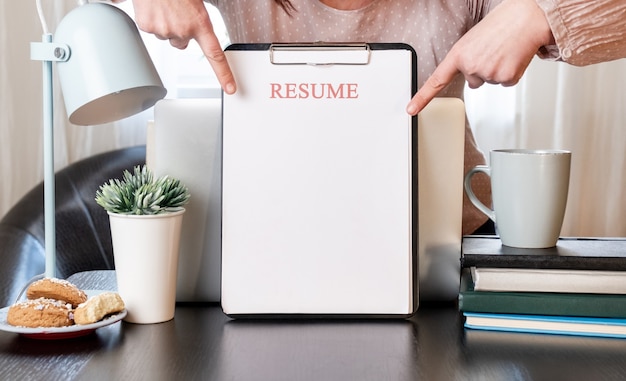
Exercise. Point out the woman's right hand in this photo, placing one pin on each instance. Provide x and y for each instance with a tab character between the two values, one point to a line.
179	21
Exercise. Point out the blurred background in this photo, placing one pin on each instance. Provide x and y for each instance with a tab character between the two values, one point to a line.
555	105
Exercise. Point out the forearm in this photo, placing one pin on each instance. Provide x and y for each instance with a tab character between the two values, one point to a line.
586	31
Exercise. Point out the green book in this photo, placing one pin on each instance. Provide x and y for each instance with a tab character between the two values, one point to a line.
539	303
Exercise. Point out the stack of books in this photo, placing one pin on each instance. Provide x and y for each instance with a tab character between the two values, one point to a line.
575	288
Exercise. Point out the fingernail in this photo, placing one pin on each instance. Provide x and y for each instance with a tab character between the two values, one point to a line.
230	88
411	109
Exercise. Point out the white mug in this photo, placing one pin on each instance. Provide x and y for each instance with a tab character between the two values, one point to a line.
529	190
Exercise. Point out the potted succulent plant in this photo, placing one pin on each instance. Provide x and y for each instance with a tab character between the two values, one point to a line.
146	214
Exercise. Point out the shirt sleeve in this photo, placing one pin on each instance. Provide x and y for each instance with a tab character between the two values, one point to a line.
585	32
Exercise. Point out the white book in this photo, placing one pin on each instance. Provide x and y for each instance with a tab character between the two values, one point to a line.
549	280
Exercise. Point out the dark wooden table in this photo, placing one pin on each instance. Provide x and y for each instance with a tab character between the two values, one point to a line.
201	343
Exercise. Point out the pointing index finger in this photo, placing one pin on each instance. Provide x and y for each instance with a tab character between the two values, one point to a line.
438	80
213	52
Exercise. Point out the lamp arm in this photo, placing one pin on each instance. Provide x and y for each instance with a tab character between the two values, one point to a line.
49	181
47	52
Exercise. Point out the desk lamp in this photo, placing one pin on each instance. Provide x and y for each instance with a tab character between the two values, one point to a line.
105	73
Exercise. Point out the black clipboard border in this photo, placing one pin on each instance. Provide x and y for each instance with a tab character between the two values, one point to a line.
414	179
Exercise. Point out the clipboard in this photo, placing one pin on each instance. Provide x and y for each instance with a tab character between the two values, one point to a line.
319	181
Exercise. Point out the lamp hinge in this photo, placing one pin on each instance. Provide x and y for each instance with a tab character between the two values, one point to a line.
49	51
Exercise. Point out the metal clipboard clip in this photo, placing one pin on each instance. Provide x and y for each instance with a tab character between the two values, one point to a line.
320	54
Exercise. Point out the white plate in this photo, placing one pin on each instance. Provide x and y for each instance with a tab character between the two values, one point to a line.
53	333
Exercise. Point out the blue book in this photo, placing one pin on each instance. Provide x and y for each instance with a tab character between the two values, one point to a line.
561	325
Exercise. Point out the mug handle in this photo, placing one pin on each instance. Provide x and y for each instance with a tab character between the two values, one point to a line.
467	184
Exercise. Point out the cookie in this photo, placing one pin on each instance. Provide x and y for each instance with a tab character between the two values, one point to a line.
97	307
59	289
41	312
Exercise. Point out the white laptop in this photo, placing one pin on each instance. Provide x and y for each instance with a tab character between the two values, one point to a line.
185	142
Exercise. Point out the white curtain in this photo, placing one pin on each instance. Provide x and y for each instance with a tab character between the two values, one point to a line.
554	106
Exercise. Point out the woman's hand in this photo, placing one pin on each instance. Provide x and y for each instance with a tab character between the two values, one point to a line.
497	50
179	21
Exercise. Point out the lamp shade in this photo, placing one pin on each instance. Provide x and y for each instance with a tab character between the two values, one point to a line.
109	74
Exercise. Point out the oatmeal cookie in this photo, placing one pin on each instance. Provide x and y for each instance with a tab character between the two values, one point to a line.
97	307
59	289
41	312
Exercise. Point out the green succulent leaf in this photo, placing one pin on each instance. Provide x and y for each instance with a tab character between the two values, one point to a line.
140	193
